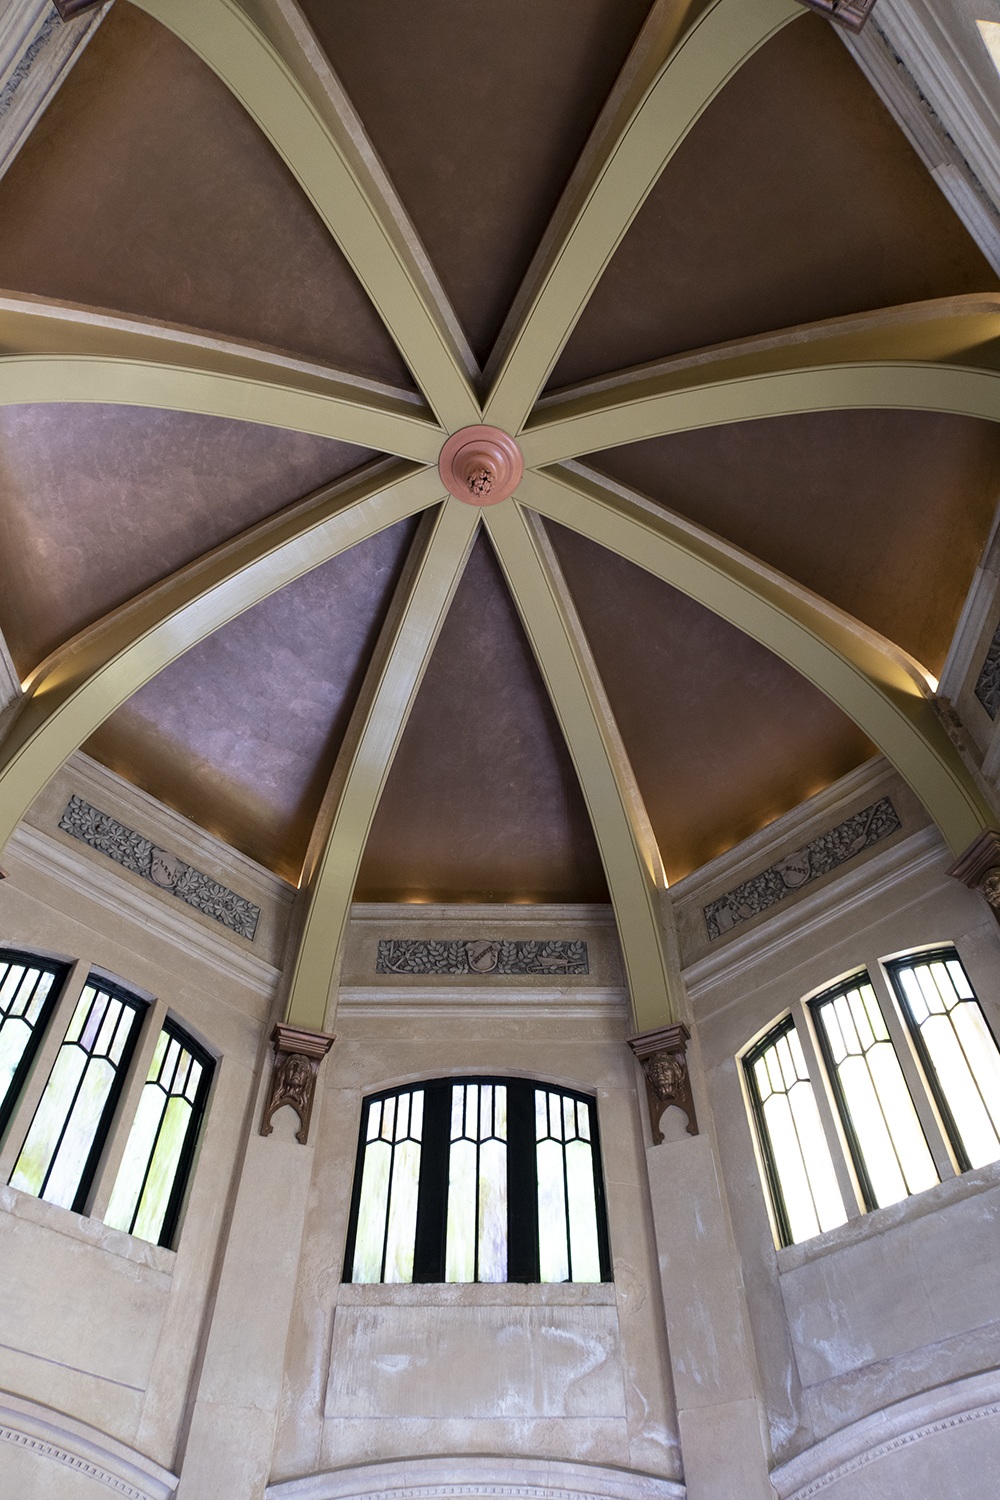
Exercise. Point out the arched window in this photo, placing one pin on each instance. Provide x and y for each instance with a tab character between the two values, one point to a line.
478	1179
888	1124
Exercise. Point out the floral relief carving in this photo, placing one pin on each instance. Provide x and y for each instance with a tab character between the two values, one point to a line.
790	873
480	956
168	872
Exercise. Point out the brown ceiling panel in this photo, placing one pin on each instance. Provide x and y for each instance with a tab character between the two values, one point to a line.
479	112
723	737
482	802
100	502
794	198
240	734
883	513
147	188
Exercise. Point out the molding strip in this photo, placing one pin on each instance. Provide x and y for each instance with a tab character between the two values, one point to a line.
65	1440
875	1437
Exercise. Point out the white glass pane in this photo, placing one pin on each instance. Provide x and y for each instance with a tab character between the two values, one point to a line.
14	1038
553	1260
81	1128
402	1228
827	1202
36	1153
460	1245
912	1150
493	1211
790	1168
372	1209
8	985
163	1170
582	1212
951	1042
142	1136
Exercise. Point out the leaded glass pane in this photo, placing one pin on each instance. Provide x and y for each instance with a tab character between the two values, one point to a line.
568	1246
891	1151
150	1179
387	1209
66	1134
476	1237
958	1050
801	1176
27	993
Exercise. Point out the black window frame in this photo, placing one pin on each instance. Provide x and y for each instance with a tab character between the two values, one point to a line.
185	1161
105	1124
749	1059
60	972
945	953
833	992
432	1191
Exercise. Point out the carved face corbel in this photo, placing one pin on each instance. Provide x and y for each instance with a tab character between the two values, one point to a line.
979	868
297	1056
663	1055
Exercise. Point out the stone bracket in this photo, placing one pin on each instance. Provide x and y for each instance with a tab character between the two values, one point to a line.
69	8
297	1056
851	14
663	1055
979	868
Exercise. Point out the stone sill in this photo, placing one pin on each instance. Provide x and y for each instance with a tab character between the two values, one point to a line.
87	1231
477	1294
880	1220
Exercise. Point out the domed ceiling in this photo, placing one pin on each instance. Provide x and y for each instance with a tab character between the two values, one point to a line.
518	202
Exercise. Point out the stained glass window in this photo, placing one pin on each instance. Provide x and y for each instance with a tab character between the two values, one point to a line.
64	1141
957	1049
478	1179
800	1175
29	989
149	1189
890	1151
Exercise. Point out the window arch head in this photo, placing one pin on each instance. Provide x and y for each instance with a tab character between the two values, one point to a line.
478	1179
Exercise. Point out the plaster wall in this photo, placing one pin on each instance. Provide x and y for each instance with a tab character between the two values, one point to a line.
97	1327
575	1372
898	1304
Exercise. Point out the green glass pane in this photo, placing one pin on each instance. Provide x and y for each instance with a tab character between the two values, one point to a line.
372	1210
142	1138
163	1170
14	1038
42	1138
402	1227
81	1129
158	1052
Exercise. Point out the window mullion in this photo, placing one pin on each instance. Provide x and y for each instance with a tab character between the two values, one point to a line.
151	1022
41	1067
923	1102
432	1189
829	1115
522	1180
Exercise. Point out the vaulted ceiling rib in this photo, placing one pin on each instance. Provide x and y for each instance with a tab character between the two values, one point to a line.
934	357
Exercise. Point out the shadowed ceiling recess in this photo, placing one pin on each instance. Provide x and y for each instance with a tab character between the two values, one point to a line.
933	356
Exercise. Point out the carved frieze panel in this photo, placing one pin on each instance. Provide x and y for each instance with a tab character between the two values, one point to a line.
481	956
988	682
166	871
791	873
